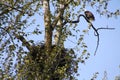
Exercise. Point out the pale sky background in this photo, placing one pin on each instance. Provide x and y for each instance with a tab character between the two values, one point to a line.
108	54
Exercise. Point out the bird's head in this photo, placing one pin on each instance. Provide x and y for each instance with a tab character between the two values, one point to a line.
89	15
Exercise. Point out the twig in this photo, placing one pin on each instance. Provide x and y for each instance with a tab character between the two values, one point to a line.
103	28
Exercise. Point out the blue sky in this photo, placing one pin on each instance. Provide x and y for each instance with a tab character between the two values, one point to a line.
108	54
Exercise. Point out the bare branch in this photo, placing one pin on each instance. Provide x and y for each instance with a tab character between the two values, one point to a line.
77	21
97	34
96	30
105	28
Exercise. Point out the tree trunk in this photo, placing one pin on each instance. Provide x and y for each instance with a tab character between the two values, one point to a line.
47	24
59	26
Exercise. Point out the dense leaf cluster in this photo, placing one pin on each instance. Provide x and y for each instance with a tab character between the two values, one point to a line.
59	64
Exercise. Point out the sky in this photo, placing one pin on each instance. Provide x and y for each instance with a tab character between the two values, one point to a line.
108	54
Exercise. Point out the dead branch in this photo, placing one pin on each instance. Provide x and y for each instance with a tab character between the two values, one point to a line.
103	28
95	29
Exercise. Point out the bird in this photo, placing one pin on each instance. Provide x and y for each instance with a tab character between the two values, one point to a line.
89	15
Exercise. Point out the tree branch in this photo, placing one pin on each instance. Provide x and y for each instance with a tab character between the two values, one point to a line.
8	34
24	41
10	8
105	28
20	37
61	11
96	30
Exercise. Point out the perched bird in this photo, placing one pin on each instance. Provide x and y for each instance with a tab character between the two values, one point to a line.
89	15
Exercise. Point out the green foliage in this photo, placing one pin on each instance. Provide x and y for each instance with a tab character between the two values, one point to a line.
58	65
21	59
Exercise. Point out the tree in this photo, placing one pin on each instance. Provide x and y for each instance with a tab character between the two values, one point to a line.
117	78
22	58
